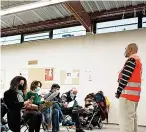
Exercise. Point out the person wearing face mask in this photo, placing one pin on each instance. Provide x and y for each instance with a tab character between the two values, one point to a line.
34	89
129	89
74	110
32	112
69	97
14	99
38	89
54	95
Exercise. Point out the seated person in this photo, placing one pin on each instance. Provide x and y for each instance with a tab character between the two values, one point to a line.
89	100
14	100
33	108
4	111
57	115
88	109
33	94
38	89
69	97
74	110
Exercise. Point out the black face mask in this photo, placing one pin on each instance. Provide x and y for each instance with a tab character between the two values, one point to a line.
20	87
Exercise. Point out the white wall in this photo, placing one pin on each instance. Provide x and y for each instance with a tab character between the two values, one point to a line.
102	54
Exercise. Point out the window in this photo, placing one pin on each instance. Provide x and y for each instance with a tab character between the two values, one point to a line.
10	40
69	32
36	36
144	22
118	25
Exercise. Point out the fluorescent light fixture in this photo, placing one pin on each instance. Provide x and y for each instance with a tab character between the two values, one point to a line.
30	6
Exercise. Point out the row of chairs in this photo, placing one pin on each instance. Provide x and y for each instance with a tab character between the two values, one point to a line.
24	126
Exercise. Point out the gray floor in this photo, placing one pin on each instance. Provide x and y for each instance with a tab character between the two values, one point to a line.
106	128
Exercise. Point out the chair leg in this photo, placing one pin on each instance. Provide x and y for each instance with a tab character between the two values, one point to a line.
26	129
67	129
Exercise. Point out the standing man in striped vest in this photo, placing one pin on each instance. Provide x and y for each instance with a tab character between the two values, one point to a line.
129	89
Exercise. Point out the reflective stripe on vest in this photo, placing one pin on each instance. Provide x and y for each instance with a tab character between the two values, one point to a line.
133	84
131	92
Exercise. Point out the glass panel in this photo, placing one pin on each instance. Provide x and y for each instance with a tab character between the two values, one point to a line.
118	25
144	22
69	32
36	36
10	40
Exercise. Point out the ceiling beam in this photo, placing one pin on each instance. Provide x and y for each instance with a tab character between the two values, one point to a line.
78	11
39	26
102	16
118	11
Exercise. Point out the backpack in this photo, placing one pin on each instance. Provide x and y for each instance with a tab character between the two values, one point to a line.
100	99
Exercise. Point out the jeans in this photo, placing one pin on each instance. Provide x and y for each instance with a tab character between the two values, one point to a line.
47	116
57	117
55	120
56	106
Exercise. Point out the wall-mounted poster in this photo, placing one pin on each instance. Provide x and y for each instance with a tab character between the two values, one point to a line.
71	77
49	74
45	75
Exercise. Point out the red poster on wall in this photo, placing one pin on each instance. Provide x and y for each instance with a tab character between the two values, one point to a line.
49	74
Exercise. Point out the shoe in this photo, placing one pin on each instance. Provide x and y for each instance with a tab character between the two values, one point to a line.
73	127
55	130
80	130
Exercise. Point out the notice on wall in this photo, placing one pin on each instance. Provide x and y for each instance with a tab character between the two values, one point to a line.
75	74
33	62
88	75
68	79
49	74
71	77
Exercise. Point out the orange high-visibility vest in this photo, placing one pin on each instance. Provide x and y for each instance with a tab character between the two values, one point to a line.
133	87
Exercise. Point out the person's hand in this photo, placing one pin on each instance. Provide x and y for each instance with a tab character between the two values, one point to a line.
117	95
32	107
27	102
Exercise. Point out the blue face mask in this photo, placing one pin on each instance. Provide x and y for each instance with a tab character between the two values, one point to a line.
72	95
37	89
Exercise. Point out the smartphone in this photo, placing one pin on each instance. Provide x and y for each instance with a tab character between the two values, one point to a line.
31	99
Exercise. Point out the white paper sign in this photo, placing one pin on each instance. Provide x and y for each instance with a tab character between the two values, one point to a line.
68	80
71	104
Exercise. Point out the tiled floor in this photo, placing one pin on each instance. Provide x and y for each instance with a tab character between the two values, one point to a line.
106	128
